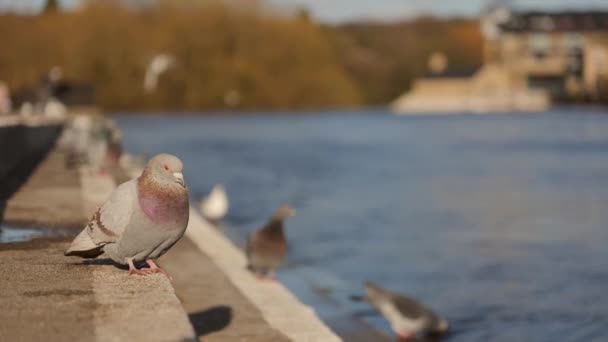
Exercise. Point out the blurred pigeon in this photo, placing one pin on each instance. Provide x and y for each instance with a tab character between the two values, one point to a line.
104	147
215	206
114	149
75	140
408	318
267	246
97	150
141	220
133	164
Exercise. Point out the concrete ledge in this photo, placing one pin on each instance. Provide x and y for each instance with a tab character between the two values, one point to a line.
29	121
46	296
217	310
130	308
280	308
49	198
21	150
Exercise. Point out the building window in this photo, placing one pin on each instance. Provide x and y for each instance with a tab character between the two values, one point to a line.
540	44
573	43
543	23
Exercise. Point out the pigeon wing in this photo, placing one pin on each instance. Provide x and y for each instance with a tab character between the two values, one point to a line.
408	307
414	310
109	222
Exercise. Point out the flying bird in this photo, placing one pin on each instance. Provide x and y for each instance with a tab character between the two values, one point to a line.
267	246
159	64
141	220
215	206
408	318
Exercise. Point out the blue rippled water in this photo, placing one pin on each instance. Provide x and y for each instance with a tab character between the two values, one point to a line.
499	223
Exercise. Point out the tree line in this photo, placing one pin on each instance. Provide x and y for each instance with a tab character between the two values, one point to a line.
240	55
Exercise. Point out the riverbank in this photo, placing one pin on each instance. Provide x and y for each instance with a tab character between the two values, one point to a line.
48	296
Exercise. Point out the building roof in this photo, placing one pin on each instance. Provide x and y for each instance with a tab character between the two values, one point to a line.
557	22
454	73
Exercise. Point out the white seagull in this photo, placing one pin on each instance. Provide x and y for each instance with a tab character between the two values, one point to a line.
215	206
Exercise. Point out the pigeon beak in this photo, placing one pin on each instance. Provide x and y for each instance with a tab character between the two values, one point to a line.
179	178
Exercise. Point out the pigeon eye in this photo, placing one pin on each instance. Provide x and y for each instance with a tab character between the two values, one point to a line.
166	168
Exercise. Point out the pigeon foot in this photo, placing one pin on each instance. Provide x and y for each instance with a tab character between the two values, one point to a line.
145	271
155	269
265	277
134	270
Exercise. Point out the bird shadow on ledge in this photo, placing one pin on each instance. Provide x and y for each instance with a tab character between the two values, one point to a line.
109	262
211	320
106	262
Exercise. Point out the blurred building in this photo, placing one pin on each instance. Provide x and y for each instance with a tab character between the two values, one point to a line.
530	61
565	54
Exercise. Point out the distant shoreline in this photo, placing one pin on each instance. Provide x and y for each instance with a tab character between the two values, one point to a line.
377	110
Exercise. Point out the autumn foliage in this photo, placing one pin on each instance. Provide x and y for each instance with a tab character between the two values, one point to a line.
270	59
383	58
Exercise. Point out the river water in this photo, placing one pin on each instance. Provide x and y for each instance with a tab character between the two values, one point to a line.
498	222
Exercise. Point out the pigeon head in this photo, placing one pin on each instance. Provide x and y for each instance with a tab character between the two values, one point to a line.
166	168
218	188
284	212
373	291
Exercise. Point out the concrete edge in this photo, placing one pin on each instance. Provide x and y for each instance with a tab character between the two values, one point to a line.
29	121
122	313
280	308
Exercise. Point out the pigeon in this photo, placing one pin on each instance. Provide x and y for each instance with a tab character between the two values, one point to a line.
408	318
141	220
97	150
104	147
267	246
114	149
76	140
215	206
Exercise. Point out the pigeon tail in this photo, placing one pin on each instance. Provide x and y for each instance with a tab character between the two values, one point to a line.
84	246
